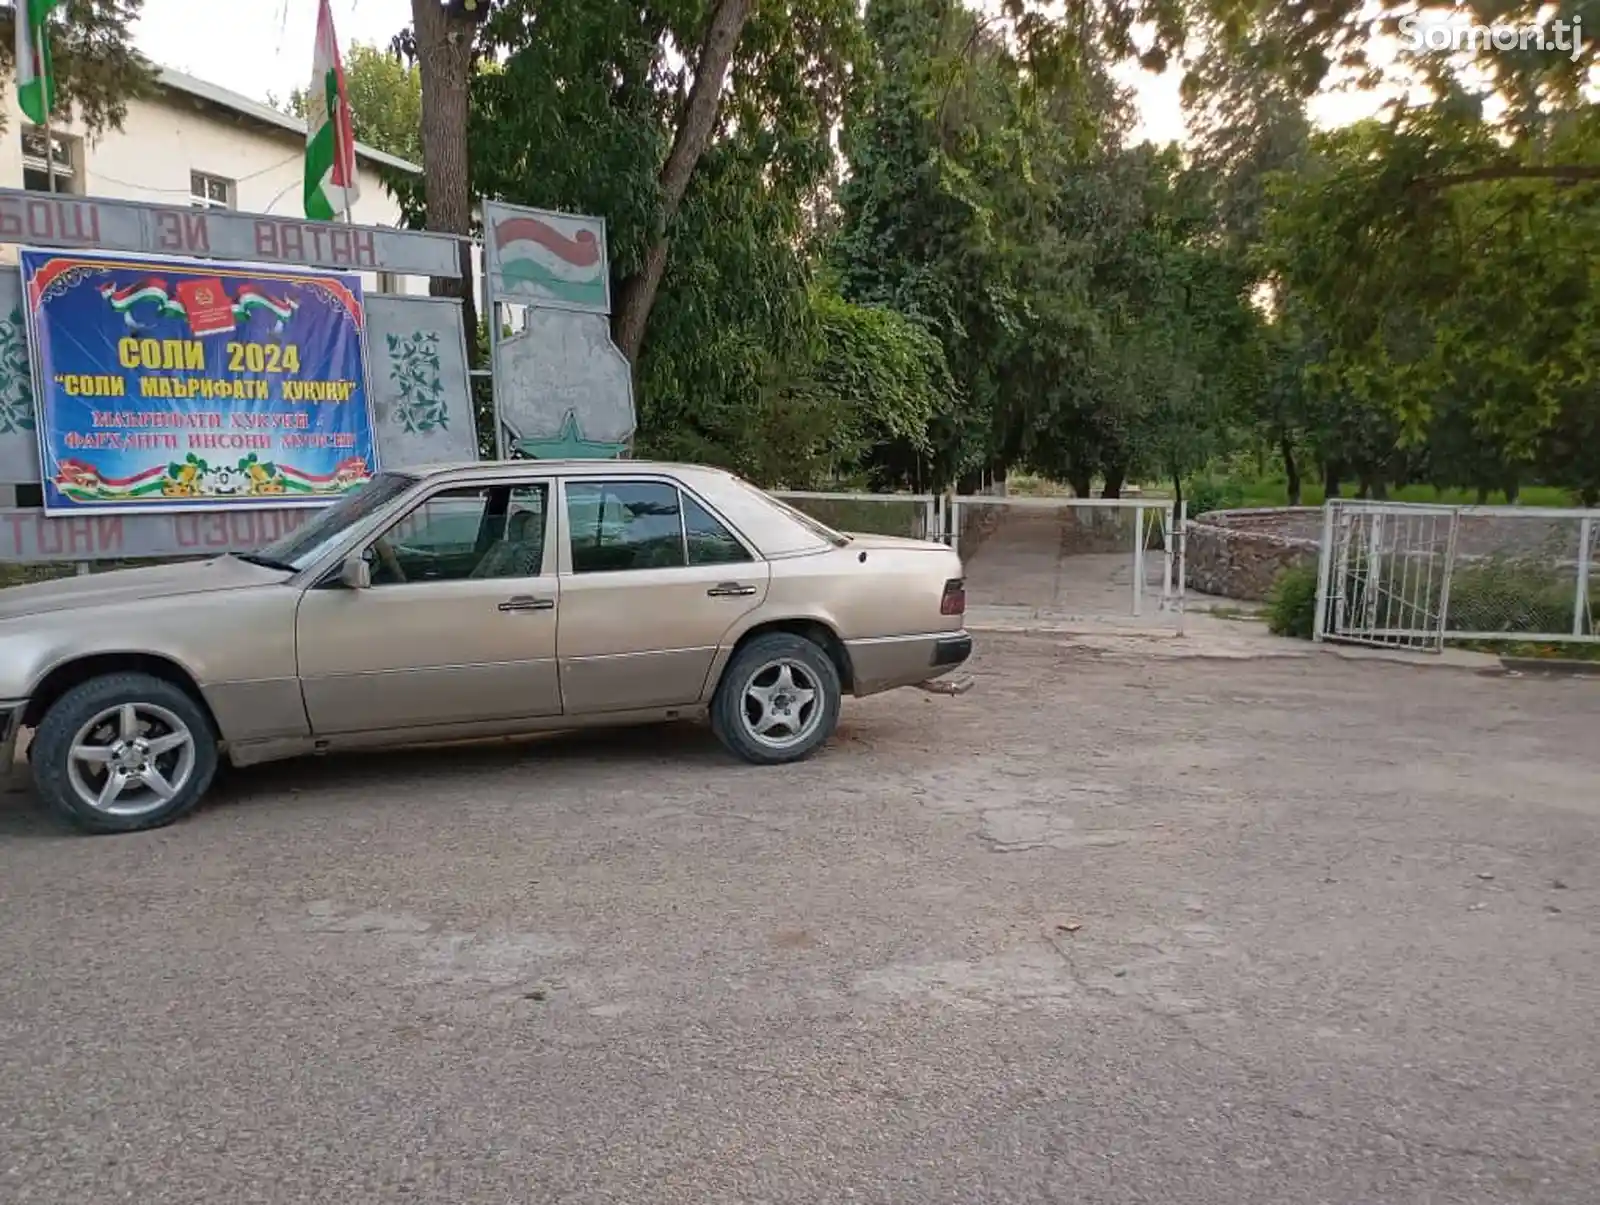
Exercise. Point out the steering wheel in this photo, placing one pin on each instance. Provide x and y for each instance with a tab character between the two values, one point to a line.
391	562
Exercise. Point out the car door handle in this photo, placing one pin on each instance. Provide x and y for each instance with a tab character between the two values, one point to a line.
730	590
526	602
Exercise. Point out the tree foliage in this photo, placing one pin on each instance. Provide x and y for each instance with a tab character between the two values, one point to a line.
914	243
97	69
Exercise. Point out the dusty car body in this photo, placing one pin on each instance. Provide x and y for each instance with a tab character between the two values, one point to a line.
469	601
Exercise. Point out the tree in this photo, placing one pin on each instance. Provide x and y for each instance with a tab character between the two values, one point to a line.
440	43
385	101
1458	324
696	121
97	69
580	113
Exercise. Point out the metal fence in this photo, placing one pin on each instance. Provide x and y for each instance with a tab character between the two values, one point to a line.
1416	575
1037	558
915	516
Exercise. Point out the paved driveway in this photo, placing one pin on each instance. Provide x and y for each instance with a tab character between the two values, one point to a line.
1111	928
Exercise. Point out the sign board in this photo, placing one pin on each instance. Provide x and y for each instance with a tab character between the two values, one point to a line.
42	220
564	389
541	258
182	384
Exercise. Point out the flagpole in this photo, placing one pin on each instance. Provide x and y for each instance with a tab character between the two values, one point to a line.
49	148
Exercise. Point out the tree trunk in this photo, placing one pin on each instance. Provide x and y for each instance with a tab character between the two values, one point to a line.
1331	472
1291	470
444	55
1113	484
1177	502
637	296
1082	483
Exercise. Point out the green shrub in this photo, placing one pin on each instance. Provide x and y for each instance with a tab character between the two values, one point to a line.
1292	603
1506	594
1208	493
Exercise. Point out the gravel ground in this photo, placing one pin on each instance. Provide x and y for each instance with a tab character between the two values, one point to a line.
1111	928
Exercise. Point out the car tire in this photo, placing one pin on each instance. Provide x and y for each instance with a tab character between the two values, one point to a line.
785	682
149	733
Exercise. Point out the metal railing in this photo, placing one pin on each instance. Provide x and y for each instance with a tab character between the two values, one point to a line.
1061	558
1416	575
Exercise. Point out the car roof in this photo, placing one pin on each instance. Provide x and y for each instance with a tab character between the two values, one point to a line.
542	468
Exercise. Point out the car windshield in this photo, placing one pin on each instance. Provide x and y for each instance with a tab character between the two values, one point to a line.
306	543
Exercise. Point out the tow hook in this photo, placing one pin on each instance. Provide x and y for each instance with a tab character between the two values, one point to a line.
952	684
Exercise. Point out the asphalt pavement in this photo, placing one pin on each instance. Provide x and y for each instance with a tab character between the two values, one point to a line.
1111	928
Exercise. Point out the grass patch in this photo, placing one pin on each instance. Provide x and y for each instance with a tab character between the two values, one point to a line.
1533	652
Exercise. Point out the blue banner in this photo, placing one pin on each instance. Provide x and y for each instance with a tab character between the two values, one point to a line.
168	384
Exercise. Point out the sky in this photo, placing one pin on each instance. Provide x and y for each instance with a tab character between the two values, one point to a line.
262	47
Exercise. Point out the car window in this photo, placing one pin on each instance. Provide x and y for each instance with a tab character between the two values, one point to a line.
619	525
710	543
475	532
306	543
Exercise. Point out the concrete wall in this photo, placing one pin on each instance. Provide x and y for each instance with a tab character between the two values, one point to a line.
1239	553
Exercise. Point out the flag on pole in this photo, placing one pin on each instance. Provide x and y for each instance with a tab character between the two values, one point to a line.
36	85
331	185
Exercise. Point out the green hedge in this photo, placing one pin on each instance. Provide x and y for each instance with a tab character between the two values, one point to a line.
1504	594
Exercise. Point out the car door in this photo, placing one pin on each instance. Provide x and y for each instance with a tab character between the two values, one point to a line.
651	582
457	627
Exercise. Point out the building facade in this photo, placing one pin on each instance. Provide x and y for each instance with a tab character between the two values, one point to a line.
192	143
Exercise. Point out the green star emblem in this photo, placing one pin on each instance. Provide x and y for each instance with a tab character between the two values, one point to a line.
569	444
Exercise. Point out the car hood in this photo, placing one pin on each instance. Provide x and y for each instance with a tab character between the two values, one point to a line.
134	585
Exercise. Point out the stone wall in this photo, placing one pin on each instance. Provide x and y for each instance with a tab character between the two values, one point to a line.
1239	553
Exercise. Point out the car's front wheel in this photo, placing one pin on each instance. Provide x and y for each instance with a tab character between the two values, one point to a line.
778	699
123	752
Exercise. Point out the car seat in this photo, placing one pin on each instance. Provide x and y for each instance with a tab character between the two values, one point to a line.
520	553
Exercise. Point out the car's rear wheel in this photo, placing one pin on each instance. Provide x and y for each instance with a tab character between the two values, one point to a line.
778	699
123	752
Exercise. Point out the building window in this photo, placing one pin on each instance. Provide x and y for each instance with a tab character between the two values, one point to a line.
388	282
37	162
210	192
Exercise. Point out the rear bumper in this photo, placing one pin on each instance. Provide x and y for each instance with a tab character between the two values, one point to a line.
888	662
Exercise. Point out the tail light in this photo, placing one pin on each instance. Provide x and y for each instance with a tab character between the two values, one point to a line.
954	600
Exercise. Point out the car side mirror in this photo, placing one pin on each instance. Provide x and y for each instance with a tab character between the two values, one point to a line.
355	573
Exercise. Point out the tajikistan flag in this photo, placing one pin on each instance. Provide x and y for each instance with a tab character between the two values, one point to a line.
331	186
36	85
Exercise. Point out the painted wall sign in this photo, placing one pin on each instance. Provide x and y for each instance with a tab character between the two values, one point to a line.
28	537
42	220
542	258
183	384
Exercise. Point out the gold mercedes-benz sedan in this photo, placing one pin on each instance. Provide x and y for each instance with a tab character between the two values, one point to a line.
469	601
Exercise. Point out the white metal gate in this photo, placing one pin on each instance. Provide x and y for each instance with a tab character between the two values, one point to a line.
1414	575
